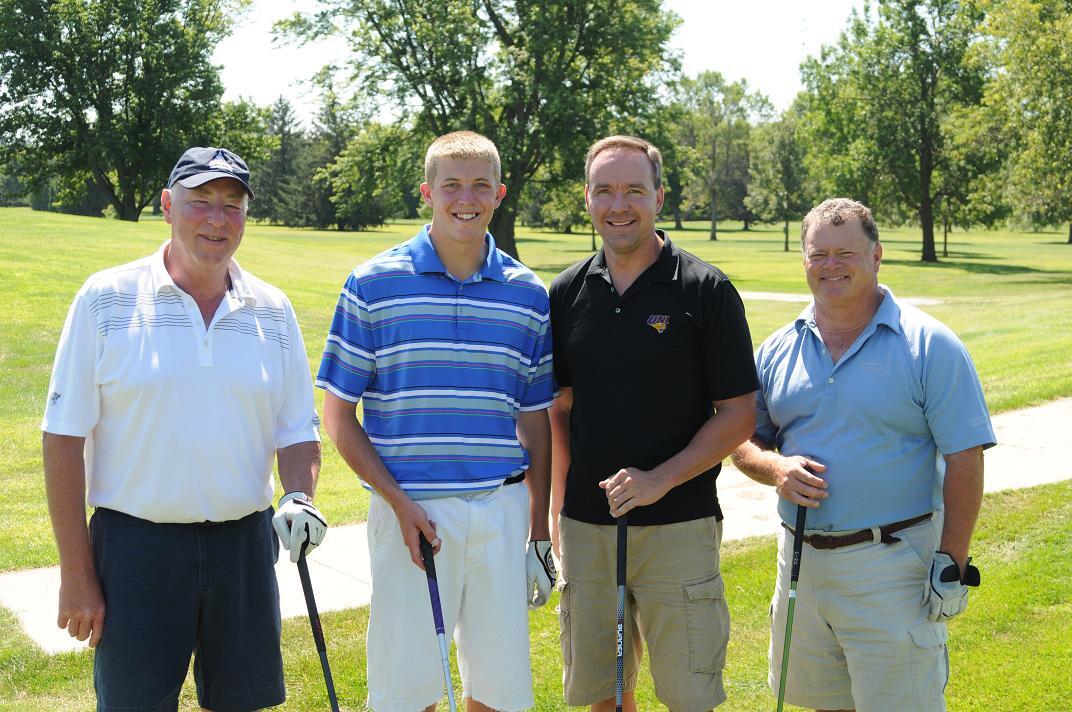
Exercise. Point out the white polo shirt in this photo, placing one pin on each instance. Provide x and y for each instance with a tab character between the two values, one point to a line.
181	422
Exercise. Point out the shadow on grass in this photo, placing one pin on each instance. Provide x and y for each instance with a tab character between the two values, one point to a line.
981	268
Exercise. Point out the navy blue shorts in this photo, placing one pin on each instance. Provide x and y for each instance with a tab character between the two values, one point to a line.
172	590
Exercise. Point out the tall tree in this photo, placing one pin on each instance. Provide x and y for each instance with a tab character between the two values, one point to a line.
536	77
902	76
779	189
715	127
115	88
279	178
1031	39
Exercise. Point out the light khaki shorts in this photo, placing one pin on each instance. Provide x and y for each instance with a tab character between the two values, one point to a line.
860	637
674	599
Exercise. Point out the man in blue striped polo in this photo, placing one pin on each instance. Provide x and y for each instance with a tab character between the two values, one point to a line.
445	341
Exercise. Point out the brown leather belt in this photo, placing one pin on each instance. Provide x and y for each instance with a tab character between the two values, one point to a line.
874	534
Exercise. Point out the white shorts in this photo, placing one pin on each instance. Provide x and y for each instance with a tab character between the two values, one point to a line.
481	573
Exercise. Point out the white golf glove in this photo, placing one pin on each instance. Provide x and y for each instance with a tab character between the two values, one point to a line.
946	590
296	521
540	574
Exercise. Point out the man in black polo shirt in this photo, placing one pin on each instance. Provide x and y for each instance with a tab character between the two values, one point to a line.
654	360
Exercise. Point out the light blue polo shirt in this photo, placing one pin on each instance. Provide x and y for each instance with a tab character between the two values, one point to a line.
442	367
904	393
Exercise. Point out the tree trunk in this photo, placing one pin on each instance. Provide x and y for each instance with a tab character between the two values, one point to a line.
593	236
502	225
1070	233
785	231
945	237
926	205
679	226
714	218
127	207
747	226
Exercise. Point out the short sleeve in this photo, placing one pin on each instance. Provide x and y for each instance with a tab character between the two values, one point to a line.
729	366
953	405
349	361
72	406
540	387
561	365
766	430
296	420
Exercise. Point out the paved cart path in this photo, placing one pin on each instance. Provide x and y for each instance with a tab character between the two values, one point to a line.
1029	452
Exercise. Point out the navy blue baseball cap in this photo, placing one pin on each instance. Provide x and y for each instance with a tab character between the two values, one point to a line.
201	164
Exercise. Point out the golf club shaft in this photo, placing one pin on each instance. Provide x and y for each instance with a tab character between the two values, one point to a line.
437	616
794	574
318	633
623	534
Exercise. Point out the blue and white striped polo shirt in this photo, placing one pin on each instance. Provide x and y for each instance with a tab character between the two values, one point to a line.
442	367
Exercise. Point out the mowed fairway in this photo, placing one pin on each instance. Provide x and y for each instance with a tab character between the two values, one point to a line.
1008	295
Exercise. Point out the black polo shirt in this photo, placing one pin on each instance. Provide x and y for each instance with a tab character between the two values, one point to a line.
645	367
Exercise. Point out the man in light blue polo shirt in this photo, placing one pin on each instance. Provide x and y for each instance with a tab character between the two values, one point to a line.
871	415
445	341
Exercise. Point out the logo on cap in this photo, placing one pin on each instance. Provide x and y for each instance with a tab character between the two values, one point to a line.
220	162
659	322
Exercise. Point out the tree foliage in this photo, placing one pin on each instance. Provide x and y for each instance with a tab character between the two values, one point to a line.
779	189
538	78
880	101
1032	41
117	89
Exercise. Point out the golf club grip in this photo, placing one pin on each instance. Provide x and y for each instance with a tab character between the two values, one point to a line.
314	623
310	602
798	541
623	539
433	584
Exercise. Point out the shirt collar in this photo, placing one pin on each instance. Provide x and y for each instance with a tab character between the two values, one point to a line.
240	288
888	314
665	268
426	261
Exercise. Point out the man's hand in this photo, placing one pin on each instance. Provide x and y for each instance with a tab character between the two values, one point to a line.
946	590
81	609
413	521
630	488
540	573
794	480
297	521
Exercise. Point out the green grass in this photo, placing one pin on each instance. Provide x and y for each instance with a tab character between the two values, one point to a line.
1009	651
1006	293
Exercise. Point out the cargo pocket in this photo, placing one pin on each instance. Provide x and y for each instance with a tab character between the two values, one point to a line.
930	668
564	624
707	621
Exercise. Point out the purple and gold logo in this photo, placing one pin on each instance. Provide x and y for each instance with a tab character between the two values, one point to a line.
659	322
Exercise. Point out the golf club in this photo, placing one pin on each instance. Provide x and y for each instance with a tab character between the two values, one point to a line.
794	574
623	533
314	621
437	615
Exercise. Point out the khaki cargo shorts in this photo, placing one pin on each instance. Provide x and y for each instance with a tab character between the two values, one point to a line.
674	600
860	637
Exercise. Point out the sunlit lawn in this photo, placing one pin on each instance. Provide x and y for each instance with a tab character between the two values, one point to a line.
1008	295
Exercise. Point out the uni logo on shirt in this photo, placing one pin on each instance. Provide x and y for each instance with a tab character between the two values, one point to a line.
659	322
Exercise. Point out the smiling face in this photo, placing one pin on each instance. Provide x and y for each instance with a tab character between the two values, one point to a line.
207	223
463	196
622	199
841	264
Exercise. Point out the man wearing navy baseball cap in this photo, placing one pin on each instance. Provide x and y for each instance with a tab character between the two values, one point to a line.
179	378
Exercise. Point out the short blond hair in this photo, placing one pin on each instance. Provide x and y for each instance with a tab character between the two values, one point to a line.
463	145
838	211
627	143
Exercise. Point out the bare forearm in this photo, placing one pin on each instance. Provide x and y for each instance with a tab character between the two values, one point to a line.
357	451
757	460
65	488
560	454
963	495
725	430
534	432
299	467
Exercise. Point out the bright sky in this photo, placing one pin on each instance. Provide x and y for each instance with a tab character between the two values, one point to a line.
763	41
